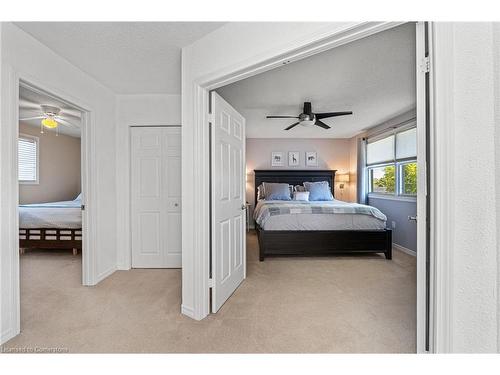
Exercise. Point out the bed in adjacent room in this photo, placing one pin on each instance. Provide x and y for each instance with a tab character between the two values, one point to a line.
291	224
54	225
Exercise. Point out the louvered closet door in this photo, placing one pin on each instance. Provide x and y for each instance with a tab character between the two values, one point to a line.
156	197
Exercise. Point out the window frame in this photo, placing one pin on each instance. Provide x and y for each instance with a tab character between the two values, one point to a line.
37	142
400	175
370	181
397	163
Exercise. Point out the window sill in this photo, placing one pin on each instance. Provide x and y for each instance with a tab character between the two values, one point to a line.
401	198
29	183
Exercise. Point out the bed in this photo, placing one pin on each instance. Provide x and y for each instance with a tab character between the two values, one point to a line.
294	228
54	225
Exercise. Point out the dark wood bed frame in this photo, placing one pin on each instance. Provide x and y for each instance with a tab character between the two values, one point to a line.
321	242
43	238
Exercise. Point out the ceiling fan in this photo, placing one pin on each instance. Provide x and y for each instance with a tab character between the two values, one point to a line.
52	116
307	117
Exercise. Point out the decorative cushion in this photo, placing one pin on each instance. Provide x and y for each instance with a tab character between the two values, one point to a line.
260	192
276	191
319	191
299	188
301	196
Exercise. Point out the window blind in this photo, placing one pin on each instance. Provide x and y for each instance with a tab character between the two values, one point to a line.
27	158
406	144
380	151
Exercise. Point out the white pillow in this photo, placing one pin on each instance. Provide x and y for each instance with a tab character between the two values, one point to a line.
301	196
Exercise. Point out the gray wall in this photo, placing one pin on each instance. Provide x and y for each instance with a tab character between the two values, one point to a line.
405	233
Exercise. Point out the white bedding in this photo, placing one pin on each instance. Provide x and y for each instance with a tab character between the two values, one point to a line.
312	221
65	214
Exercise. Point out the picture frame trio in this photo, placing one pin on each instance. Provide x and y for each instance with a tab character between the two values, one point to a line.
278	159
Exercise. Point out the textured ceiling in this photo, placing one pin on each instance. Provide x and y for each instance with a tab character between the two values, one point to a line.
29	106
374	77
127	57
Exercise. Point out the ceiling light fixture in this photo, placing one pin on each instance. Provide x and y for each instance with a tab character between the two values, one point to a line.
49	123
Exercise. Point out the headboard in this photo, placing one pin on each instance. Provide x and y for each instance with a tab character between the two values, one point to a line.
294	177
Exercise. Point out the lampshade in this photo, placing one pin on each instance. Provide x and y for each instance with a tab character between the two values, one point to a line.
343	177
49	123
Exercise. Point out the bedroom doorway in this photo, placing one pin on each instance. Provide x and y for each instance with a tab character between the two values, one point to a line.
419	119
52	178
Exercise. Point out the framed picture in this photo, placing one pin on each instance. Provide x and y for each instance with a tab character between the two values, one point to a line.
311	159
293	158
277	159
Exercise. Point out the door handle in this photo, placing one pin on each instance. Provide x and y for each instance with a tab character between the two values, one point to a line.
82	207
243	207
412	218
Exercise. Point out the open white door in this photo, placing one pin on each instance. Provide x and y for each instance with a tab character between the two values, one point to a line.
228	200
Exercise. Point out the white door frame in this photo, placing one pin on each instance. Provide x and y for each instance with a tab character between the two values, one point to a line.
11	130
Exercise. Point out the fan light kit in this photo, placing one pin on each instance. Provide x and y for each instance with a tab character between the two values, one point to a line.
308	118
51	117
49	123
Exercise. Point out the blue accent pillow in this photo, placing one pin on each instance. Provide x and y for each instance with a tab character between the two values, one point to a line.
319	191
276	191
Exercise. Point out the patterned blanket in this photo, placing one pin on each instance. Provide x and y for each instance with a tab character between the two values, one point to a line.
265	209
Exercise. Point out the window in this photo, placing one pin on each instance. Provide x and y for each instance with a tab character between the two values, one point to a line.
383	179
391	163
408	173
28	159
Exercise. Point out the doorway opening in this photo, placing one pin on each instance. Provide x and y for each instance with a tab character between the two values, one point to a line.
52	177
377	164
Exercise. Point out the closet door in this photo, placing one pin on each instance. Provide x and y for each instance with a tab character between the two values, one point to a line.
156	197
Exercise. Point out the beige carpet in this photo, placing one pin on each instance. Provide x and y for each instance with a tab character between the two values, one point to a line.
337	304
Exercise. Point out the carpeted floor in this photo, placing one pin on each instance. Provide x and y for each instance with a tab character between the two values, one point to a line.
337	304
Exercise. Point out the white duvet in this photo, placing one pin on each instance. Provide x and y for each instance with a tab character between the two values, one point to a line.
66	214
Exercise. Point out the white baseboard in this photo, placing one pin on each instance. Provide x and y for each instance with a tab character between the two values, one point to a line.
404	249
188	311
105	274
7	335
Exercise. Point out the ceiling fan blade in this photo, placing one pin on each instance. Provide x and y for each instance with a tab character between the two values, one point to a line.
71	111
331	114
293	125
31	118
282	116
67	123
26	104
64	113
321	124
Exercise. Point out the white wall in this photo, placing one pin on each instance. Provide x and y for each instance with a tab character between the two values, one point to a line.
23	55
474	219
136	110
496	59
